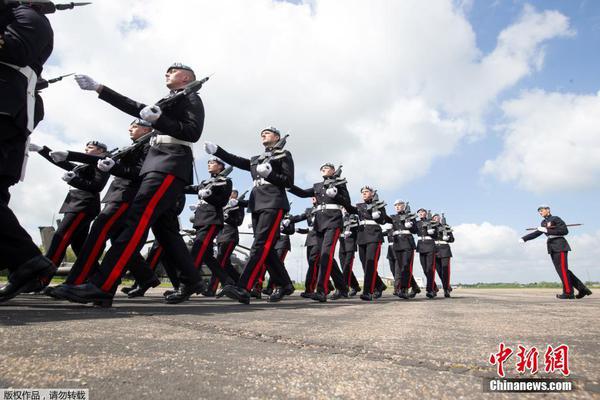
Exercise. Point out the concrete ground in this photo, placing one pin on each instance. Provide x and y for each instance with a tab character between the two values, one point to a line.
215	349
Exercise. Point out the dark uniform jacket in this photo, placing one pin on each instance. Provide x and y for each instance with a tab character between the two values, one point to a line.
87	185
442	250
557	230
309	216
350	233
268	192
327	219
233	216
283	243
402	241
209	210
183	120
426	243
369	233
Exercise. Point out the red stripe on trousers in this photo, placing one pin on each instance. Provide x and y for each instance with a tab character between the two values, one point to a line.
350	271
563	268
433	274
313	280
336	235
412	258
155	258
266	249
139	232
66	239
376	261
93	257
207	240
226	255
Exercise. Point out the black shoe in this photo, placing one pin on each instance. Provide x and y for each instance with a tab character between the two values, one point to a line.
86	293
403	294
306	295
564	296
395	293
51	292
338	294
30	275
430	295
237	293
353	292
257	294
377	294
383	288
288	289
319	296
446	293
128	289
366	297
277	295
185	291
169	292
267	291
141	289
583	292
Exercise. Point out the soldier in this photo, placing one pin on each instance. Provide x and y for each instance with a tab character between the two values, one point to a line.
272	172
426	249
371	214
332	197
404	225
347	252
555	230
214	194
443	253
26	42
167	169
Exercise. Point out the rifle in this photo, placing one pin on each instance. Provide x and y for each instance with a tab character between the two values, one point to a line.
45	7
535	229
336	178
43	83
376	204
190	88
446	229
275	152
407	215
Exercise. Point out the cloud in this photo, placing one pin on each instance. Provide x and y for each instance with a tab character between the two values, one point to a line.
551	144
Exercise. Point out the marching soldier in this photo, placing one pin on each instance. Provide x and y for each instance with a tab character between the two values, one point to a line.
443	253
272	172
426	249
332	197
167	169
26	42
555	230
347	252
404	225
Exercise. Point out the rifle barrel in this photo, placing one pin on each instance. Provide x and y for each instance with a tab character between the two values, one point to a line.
535	229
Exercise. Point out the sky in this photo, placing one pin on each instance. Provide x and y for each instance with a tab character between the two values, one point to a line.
479	109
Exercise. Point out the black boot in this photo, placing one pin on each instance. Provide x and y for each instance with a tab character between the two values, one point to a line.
277	295
564	296
306	295
128	289
237	293
338	294
583	292
353	292
403	294
169	292
185	291
50	291
288	289
430	295
86	293
257	294
141	289
377	293
30	275
366	297
446	293
319	296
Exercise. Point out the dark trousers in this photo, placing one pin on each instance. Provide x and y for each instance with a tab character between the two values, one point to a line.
403	266
347	265
282	254
312	257
72	230
156	256
153	206
369	257
328	267
224	251
443	270
568	279
265	224
203	252
428	264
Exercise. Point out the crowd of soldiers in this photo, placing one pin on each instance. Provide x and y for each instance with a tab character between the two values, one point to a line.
151	179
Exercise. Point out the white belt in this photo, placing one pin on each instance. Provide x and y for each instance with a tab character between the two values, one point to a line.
166	139
555	236
396	233
329	207
368	222
426	238
260	182
441	242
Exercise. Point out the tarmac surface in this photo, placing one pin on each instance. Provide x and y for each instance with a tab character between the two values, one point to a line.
349	349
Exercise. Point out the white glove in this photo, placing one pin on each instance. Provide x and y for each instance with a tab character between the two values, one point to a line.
34	147
521	240
408	224
86	83
331	192
193	207
264	169
445	238
202	193
59	156
151	113
542	229
68	176
105	164
286	222
376	214
430	231
232	202
210	147
347	233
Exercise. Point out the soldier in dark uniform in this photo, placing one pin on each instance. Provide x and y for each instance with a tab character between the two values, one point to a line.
426	249
347	252
555	229
312	251
332	197
26	42
272	172
82	203
443	253
167	169
404	225
370	236
213	195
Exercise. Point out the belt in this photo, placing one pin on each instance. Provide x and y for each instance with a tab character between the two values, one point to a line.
441	242
260	182
426	238
166	139
555	236
396	233
323	207
368	222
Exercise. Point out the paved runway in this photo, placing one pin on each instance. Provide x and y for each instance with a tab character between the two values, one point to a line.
210	348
